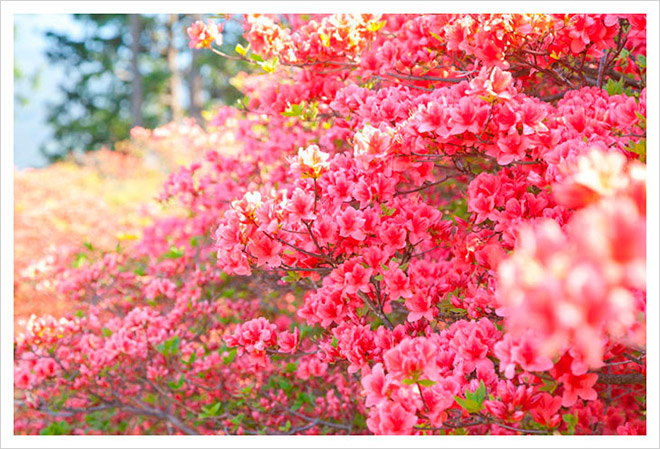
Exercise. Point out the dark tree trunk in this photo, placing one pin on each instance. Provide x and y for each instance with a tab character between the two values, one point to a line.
175	78
195	83
136	80
195	89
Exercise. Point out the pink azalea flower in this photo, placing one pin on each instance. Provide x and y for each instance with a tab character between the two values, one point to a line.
578	386
202	35
390	418
351	224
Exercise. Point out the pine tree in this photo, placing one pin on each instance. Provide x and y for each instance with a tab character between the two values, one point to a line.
126	70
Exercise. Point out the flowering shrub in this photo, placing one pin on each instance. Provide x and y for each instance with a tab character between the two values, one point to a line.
89	206
413	224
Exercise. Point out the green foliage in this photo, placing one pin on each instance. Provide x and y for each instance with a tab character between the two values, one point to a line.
178	384
638	148
641	61
190	360
211	410
571	421
291	277
294	110
57	428
175	253
169	347
291	367
241	50
614	87
387	211
303	398
94	109
230	357
473	401
79	260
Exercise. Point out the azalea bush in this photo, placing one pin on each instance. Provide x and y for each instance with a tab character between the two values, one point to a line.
411	224
96	201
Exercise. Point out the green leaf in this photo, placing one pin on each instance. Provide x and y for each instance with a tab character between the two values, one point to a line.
194	241
169	347
106	332
256	57
291	367
79	260
284	384
305	397
473	401
294	110
291	277
472	406
359	422
270	65
178	384
311	111
638	148
175	252
237	420
211	410
426	382
436	36
375	26
388	212
614	87
641	61
481	392
549	386
230	357
191	359
57	428
286	427
241	50
571	421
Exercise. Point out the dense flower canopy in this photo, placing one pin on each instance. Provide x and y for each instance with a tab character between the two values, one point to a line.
411	224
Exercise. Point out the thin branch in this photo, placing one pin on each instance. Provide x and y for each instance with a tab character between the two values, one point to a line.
383	317
426	185
529	431
316	420
601	67
425	78
621	379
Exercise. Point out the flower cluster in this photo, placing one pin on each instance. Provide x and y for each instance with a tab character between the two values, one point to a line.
415	224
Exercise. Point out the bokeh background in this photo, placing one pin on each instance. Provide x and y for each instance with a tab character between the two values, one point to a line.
83	181
81	81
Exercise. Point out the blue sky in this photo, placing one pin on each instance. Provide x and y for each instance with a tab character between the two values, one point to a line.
30	43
